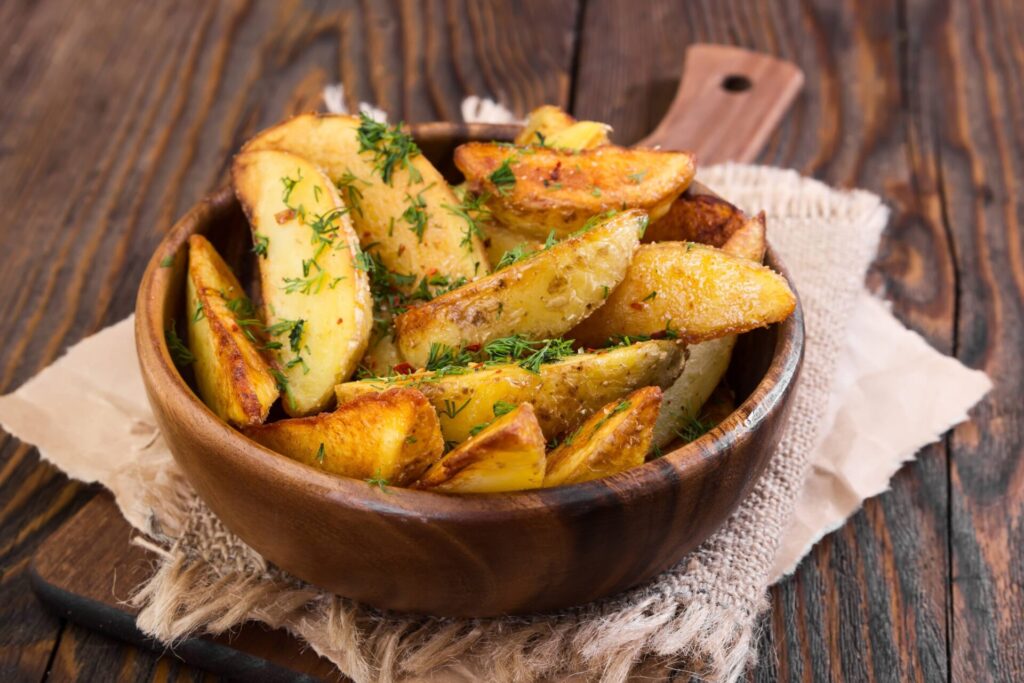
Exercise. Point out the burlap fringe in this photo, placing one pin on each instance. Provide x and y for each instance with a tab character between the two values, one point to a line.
188	597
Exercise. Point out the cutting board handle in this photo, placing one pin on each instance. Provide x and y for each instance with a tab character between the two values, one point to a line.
728	102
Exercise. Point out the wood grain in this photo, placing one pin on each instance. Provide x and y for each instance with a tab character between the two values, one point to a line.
870	601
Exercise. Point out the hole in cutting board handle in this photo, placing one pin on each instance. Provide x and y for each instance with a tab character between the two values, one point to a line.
736	83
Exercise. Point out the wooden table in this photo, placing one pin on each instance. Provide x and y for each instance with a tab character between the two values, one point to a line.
117	116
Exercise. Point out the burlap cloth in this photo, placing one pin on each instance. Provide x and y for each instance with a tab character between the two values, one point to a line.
701	614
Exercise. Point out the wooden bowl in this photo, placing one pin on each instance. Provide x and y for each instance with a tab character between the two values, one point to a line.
457	555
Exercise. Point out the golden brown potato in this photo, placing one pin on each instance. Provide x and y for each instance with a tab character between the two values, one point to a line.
708	361
390	437
500	240
506	455
405	210
749	241
547	120
694	291
580	135
539	189
233	379
563	393
381	354
614	439
704	218
539	297
316	302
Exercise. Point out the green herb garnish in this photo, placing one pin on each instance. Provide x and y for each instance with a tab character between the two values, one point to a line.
392	148
503	177
179	352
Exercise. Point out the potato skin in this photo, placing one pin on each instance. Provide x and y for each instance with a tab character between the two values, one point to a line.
331	142
392	436
561	190
614	439
563	393
507	455
233	379
336	311
699	291
540	297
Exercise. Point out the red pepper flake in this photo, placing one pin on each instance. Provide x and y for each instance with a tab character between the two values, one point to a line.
284	216
401	249
556	172
660	334
404	369
340	320
638	305
432	272
473	348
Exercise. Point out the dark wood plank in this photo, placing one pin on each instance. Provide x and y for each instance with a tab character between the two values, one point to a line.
869	603
117	117
979	58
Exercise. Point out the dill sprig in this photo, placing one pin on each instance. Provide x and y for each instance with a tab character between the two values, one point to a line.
392	148
180	353
352	195
379	481
260	244
503	177
472	209
693	430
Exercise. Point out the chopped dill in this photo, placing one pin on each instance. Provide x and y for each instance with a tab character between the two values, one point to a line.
391	146
179	351
503	177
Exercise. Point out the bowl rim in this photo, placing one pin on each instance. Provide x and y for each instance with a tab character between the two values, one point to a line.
643	481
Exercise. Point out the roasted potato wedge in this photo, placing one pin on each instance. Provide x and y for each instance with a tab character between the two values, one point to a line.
391	437
500	240
541	296
749	241
404	212
316	302
695	291
614	439
580	135
704	218
563	393
506	455
540	189
683	400
232	377
547	120
709	360
381	354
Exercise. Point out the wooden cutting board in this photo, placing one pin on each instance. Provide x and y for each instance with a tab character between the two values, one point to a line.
728	102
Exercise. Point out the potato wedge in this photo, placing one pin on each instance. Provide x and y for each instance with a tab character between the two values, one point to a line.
697	292
563	393
580	135
709	360
507	455
614	439
316	302
499	240
683	400
539	189
411	218
749	241
391	437
541	296
381	354
704	218
547	120
233	379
